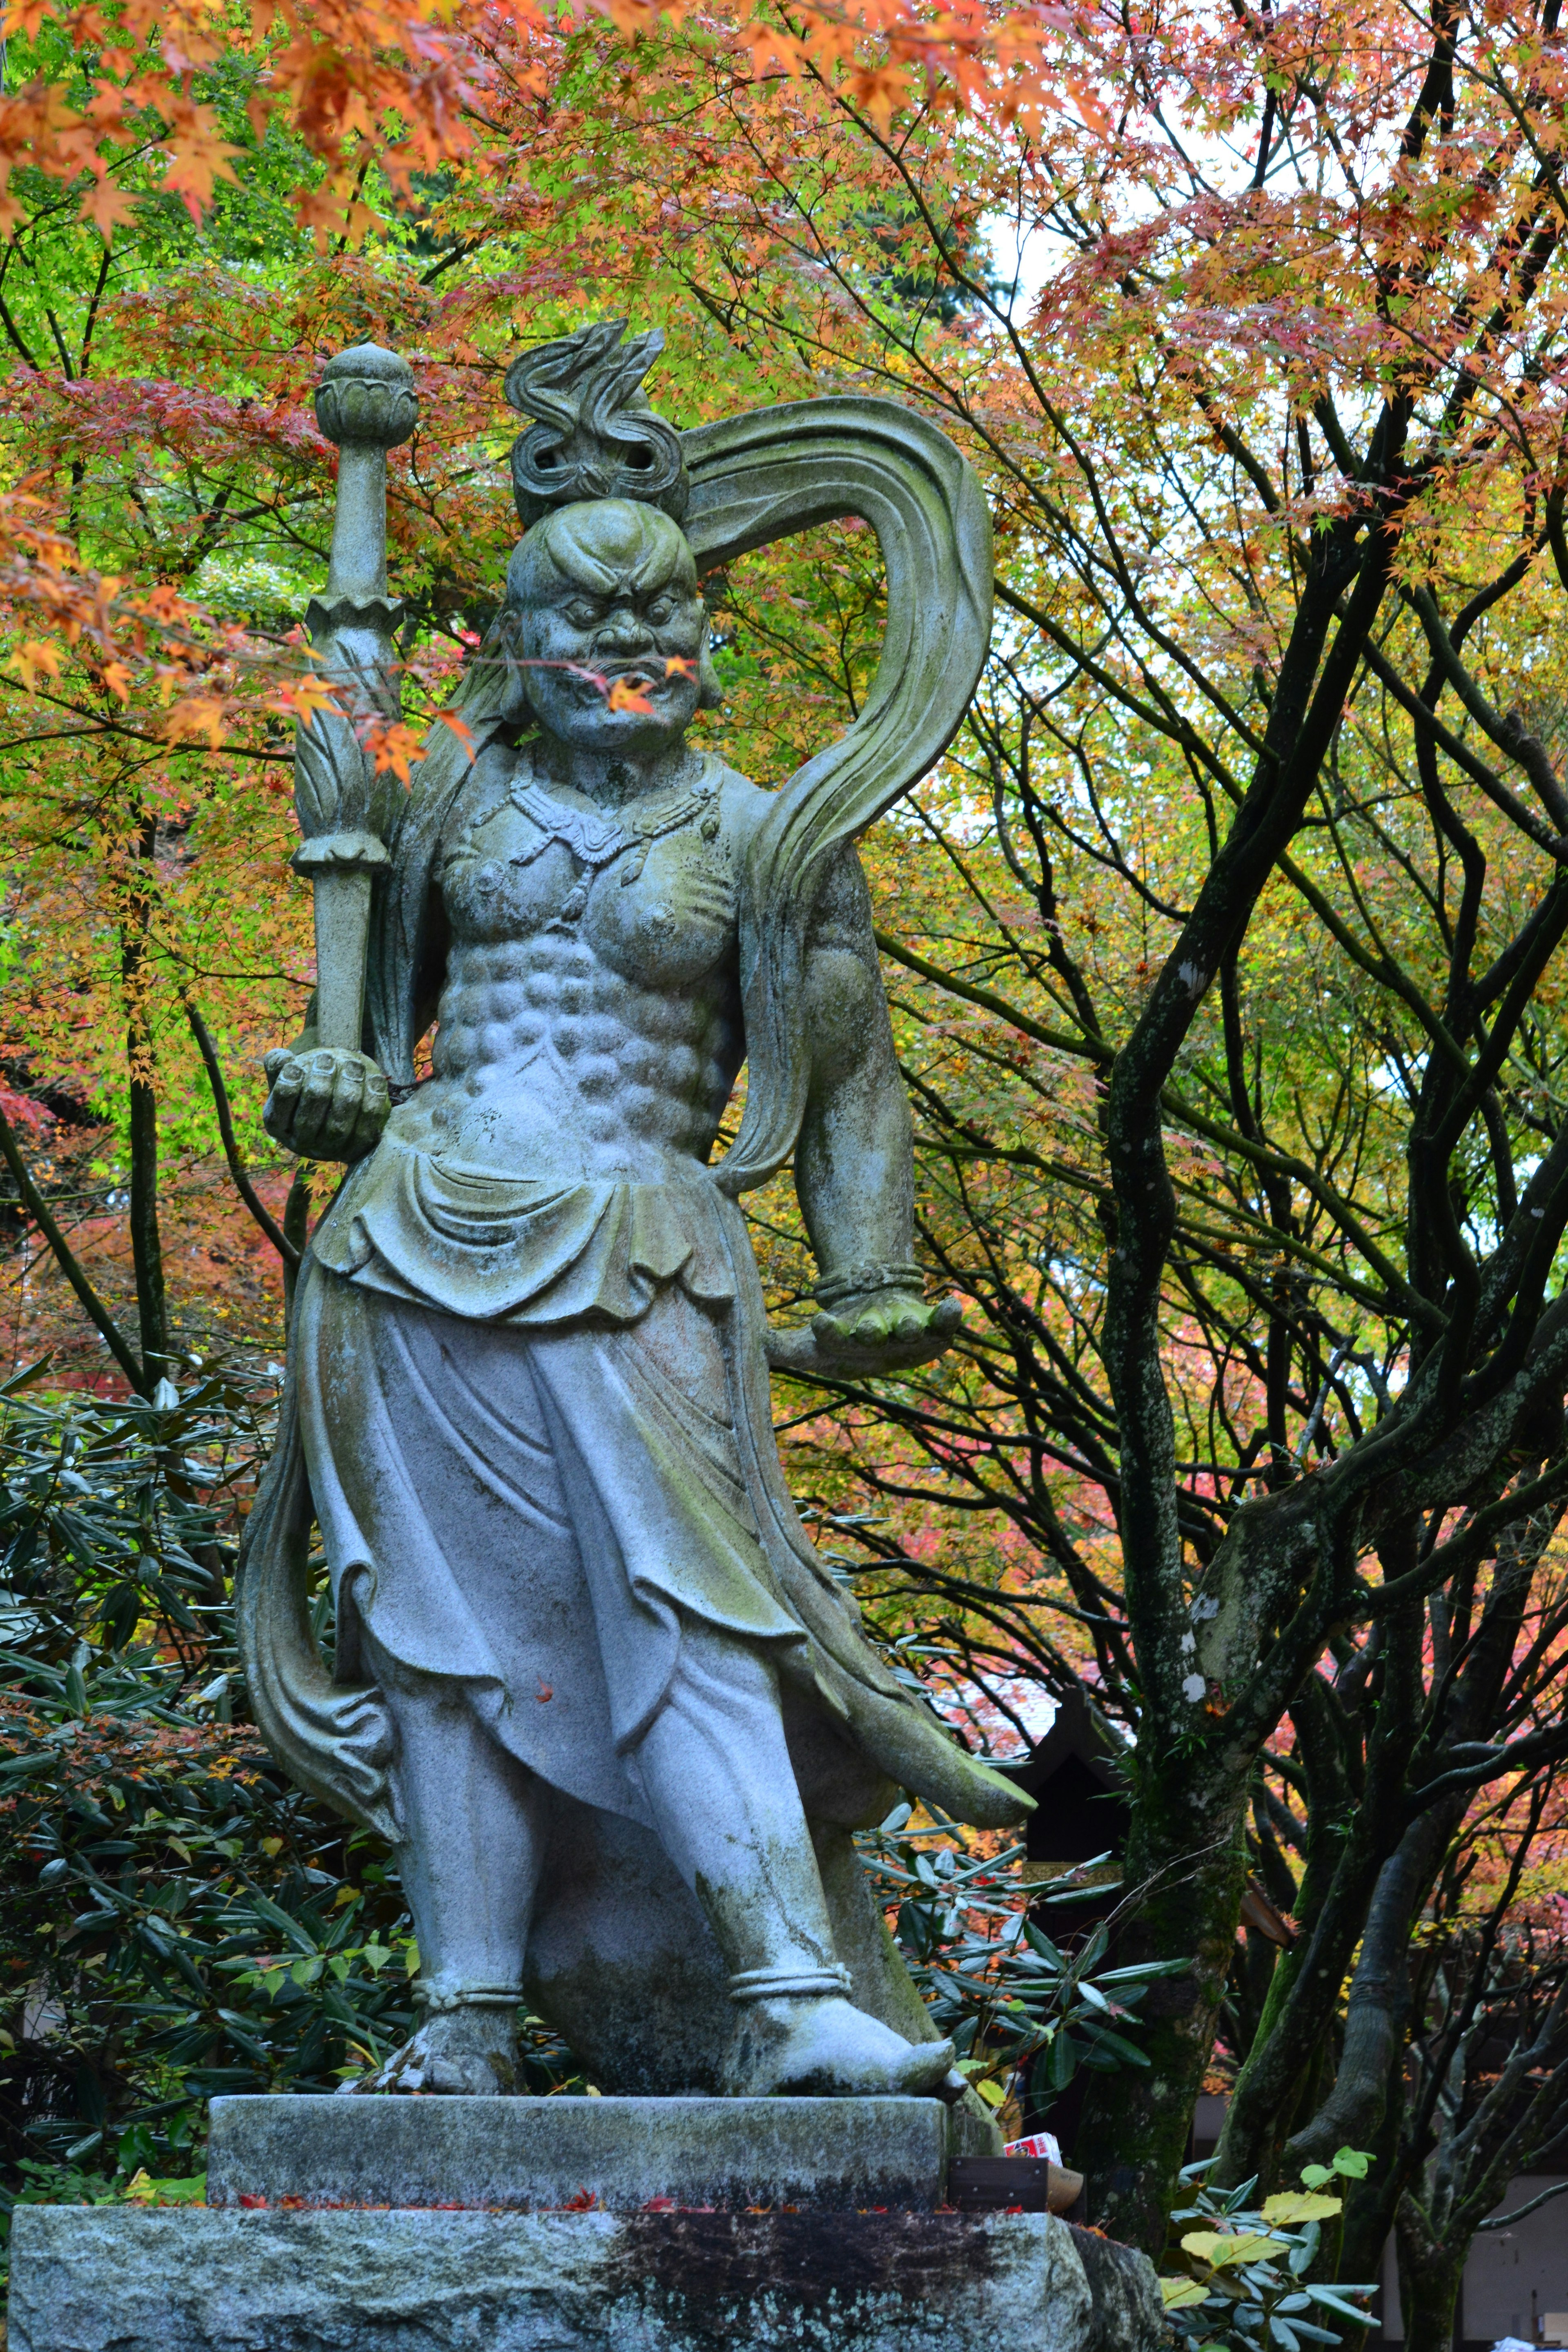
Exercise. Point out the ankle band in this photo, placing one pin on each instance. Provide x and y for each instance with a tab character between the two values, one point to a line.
440	2001
785	1984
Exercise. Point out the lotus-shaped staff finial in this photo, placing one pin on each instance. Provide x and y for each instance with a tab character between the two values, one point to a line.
366	396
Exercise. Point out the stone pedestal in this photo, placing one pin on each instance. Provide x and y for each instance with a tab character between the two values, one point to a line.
531	2155
437	2225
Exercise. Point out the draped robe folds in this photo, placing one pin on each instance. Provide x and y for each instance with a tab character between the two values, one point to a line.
557	1504
513	1493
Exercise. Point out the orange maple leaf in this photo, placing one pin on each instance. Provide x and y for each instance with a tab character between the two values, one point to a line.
36	654
395	747
196	157
163	602
24	17
106	207
302	697
459	728
200	716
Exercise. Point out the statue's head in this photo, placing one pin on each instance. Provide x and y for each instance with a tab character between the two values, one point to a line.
609	587
603	580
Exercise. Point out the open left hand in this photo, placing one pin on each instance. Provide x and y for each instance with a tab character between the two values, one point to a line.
885	1331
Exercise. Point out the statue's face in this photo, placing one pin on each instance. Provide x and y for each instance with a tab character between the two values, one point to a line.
611	587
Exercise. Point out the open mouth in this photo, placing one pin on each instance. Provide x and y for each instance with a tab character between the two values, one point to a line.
601	680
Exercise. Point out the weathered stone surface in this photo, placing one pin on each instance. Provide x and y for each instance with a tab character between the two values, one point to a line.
819	2154
118	2279
1127	2311
591	1679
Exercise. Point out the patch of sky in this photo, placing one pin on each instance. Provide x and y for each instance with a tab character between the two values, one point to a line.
1073	1278
1485	1230
1398	1074
1026	247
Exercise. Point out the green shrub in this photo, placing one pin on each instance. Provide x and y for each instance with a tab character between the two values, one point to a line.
1246	2280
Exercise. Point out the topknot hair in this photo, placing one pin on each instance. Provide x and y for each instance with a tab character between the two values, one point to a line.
595	437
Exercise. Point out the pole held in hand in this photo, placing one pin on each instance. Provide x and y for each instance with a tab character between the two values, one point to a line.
366	404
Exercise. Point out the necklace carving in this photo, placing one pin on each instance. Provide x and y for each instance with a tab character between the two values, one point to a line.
597	842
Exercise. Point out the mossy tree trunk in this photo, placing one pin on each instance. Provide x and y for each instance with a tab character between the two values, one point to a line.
1431	2277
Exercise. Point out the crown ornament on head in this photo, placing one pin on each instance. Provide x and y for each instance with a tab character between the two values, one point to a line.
595	436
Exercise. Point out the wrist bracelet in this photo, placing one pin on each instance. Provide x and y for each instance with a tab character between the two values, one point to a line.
856	1281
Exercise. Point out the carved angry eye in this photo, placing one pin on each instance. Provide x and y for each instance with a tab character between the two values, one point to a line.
661	610
582	614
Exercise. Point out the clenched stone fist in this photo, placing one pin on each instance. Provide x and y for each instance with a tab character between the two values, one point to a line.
326	1103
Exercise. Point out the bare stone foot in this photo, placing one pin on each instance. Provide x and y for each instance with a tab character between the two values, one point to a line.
825	2048
462	2053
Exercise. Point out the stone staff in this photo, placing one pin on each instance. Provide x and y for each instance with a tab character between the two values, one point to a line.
366	404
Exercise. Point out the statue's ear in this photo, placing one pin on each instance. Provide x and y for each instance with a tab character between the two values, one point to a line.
513	710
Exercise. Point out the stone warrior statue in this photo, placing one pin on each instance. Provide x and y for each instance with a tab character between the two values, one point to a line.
591	1680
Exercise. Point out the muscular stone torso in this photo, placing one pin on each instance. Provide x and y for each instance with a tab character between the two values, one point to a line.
589	1025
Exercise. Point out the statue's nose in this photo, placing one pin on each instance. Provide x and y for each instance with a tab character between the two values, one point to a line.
625	631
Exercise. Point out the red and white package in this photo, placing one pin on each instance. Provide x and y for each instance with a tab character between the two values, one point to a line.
1037	2144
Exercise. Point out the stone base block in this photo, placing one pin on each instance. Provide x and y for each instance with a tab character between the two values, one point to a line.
122	2279
527	2155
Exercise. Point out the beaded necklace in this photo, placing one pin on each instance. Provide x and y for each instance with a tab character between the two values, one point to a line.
597	842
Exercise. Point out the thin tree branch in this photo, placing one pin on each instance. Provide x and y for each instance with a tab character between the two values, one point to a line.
236	1169
70	1266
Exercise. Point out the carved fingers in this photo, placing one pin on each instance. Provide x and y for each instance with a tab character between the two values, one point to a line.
326	1104
889	1319
887	1331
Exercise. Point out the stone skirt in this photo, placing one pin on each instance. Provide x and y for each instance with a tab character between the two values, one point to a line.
533	1423
421	1225
533	1511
